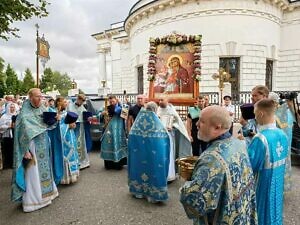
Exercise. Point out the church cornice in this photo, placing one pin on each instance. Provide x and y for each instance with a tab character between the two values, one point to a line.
206	13
109	34
137	12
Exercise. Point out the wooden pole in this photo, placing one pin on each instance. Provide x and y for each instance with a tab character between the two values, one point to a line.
37	55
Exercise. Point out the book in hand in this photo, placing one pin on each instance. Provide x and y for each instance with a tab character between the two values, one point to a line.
167	121
28	162
124	112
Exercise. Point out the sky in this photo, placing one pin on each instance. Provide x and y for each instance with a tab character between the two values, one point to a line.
68	29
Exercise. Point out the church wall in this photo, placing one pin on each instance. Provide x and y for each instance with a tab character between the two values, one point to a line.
121	70
229	28
288	76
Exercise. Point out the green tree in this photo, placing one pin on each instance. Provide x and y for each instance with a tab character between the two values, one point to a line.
19	10
11	80
63	83
19	89
28	81
55	81
2	78
46	83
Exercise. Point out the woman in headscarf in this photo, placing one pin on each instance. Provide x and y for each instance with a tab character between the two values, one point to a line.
6	129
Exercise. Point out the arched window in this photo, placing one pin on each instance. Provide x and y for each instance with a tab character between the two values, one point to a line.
269	74
140	74
232	66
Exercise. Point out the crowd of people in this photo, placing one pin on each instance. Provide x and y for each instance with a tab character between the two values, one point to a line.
236	180
44	142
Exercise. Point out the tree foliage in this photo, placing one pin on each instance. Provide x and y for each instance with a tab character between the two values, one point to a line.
28	81
19	89
11	80
46	82
10	84
63	83
19	10
55	81
2	78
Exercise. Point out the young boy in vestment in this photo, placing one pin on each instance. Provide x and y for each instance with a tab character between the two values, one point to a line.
268	154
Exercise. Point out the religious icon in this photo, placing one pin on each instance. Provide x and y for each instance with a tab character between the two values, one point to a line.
177	76
43	48
125	111
174	71
174	67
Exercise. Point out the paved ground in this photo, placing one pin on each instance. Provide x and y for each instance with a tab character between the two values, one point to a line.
101	197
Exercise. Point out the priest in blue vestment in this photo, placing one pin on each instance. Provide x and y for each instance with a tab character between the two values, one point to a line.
113	142
32	181
285	120
148	156
69	144
78	108
64	145
221	190
268	153
56	142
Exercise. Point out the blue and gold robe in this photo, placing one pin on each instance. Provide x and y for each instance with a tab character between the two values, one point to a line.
80	135
148	158
285	121
31	135
70	154
113	142
268	152
221	190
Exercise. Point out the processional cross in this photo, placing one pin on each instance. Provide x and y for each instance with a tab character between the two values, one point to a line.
103	82
223	77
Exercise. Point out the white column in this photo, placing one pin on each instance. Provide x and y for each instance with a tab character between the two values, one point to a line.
102	91
102	66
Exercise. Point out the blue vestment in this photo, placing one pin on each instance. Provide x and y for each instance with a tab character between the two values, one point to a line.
251	126
70	154
268	152
80	135
88	137
221	190
113	143
30	127
57	151
285	121
148	157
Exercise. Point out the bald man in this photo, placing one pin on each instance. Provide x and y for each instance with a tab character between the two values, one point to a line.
33	182
221	190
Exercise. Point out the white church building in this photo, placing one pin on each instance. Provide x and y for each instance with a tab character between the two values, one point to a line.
256	41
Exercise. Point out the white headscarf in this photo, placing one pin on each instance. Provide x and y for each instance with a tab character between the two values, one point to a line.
8	109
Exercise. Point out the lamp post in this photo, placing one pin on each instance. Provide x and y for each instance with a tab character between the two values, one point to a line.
37	54
223	77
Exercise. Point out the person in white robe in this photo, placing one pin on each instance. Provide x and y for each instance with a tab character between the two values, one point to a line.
180	144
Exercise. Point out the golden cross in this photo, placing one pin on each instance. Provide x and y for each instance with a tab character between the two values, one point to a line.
223	77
